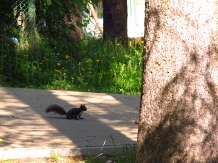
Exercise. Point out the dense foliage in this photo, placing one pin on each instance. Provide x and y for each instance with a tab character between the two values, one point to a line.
56	62
54	18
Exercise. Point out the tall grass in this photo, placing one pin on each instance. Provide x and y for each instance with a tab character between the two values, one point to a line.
89	65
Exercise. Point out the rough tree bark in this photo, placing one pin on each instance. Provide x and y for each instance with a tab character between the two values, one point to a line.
178	113
115	20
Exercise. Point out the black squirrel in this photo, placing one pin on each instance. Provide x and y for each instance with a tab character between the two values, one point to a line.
72	113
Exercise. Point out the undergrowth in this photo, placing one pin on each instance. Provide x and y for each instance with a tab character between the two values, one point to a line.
90	65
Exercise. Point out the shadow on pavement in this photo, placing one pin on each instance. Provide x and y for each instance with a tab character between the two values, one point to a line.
24	123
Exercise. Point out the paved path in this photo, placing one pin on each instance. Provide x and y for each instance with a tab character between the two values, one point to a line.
27	131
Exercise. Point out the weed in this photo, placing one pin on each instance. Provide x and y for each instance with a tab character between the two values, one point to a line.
56	157
127	155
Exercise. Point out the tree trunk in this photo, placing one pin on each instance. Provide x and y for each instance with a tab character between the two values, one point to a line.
178	113
115	20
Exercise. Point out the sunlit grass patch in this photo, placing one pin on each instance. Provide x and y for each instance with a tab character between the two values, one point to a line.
90	65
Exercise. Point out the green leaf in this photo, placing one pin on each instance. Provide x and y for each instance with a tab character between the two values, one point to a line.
49	2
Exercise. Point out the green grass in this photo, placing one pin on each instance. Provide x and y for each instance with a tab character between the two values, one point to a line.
6	161
56	157
127	154
89	65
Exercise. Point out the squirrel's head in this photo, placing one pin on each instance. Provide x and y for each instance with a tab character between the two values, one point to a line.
83	107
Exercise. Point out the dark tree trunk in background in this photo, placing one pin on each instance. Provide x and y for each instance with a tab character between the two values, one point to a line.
178	113
115	20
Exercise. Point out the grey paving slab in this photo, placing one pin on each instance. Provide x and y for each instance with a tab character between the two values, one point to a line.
24	125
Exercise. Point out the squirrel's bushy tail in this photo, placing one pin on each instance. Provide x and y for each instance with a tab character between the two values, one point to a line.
56	108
